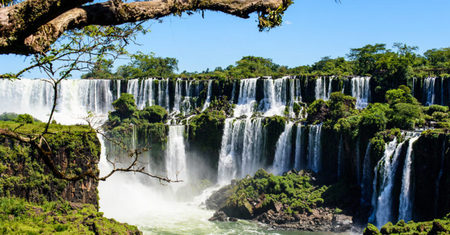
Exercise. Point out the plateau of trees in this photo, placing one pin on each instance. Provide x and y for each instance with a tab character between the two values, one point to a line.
392	67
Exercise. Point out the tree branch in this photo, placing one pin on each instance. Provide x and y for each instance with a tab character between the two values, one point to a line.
38	36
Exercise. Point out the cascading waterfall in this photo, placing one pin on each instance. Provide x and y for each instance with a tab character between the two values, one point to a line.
241	149
283	151
428	90
76	98
361	91
298	163
314	148
321	91
381	202
208	96
298	90
176	154
247	97
185	91
405	207
275	96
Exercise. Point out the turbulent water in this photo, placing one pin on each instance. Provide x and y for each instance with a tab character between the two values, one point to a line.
405	207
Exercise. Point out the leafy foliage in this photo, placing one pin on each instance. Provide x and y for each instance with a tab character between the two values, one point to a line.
144	66
437	226
18	216
297	191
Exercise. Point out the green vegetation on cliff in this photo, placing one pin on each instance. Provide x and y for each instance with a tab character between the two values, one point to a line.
437	226
18	216
24	174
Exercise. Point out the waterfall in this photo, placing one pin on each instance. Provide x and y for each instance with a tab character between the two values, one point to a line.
298	163
247	98
76	98
314	147
405	207
118	82
382	201
428	90
321	91
275	96
208	96
365	180
361	91
185	91
176	154
283	151
241	149
298	90
177	96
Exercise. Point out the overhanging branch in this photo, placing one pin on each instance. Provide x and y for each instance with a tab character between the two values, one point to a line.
38	36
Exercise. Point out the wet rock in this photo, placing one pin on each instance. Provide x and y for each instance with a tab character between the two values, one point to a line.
222	217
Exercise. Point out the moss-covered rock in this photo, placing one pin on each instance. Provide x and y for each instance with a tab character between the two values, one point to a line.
437	226
24	174
153	114
18	216
289	201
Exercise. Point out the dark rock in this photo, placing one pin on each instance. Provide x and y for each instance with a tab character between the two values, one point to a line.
218	199
221	216
437	228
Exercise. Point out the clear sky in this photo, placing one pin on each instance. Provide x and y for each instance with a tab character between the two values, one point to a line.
312	29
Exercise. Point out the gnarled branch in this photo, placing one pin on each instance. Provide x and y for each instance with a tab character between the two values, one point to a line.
33	25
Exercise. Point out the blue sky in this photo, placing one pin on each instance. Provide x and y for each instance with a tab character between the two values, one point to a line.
312	29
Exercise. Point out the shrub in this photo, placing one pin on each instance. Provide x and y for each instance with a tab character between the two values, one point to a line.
154	113
25	118
405	115
125	106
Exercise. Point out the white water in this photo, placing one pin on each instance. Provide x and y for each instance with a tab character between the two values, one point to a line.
242	148
208	96
283	151
361	91
176	154
321	91
405	207
247	98
76	98
428	90
298	148
387	167
381	201
275	96
314	148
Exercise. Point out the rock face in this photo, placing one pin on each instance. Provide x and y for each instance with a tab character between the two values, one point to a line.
251	199
23	173
322	219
